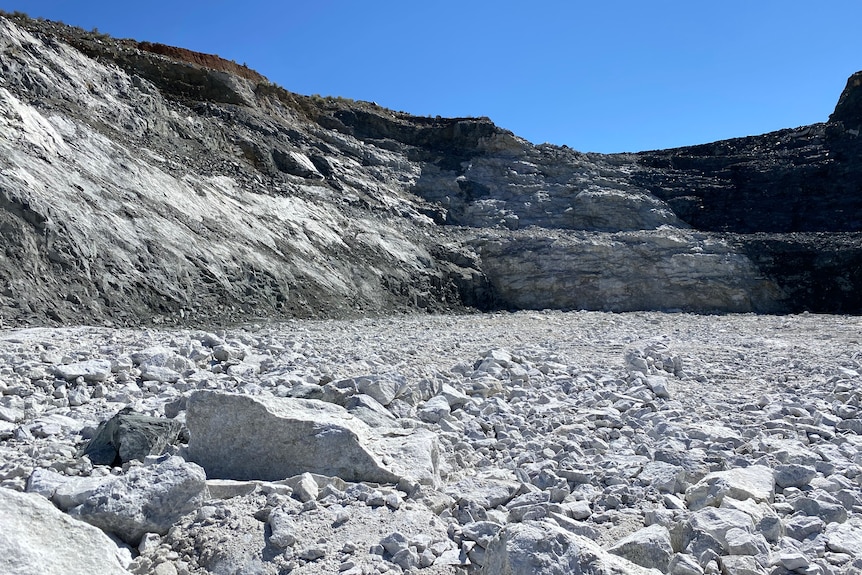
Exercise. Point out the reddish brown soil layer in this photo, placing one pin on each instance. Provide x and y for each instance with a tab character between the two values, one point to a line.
200	59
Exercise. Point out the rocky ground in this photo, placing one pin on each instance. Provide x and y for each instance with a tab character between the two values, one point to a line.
534	442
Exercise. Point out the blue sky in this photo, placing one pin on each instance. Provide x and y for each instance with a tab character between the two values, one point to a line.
599	76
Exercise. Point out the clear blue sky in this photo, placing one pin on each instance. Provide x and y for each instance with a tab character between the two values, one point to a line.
601	76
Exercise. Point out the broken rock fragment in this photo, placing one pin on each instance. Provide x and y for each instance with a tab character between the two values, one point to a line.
39	539
538	548
756	482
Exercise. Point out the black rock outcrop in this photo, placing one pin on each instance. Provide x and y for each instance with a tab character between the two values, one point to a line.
792	200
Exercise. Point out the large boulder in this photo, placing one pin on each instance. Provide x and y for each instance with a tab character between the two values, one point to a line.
648	547
242	437
39	539
147	499
92	370
536	548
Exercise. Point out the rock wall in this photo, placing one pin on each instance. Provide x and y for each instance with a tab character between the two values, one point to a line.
143	183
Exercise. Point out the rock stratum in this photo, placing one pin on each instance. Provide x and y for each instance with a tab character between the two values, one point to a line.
142	183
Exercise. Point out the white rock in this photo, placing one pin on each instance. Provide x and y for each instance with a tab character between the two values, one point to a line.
304	487
11	414
228	352
162	357
488	488
76	490
579	510
845	537
482	532
38	539
794	475
741	565
684	564
743	542
791	560
717	522
659	386
756	482
94	370
45	482
434	409
160	373
534	548
394	543
455	398
283	528
648	547
800	527
382	388
665	477
242	437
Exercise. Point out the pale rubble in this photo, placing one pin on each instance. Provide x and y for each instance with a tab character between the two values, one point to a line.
630	443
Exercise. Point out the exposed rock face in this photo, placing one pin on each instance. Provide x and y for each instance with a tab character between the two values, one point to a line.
848	111
623	272
146	183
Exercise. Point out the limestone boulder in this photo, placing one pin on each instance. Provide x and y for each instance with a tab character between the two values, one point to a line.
147	499
93	370
846	537
665	477
38	539
536	548
716	523
648	547
794	475
242	437
756	482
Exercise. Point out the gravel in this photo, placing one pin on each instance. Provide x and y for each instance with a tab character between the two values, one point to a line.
695	443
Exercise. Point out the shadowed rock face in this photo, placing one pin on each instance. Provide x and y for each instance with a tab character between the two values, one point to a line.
143	183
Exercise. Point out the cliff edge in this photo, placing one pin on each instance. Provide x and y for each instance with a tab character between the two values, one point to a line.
142	183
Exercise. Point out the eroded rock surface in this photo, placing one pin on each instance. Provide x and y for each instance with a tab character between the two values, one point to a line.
147	499
141	183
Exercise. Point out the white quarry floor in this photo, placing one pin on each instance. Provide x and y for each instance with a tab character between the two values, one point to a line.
734	440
